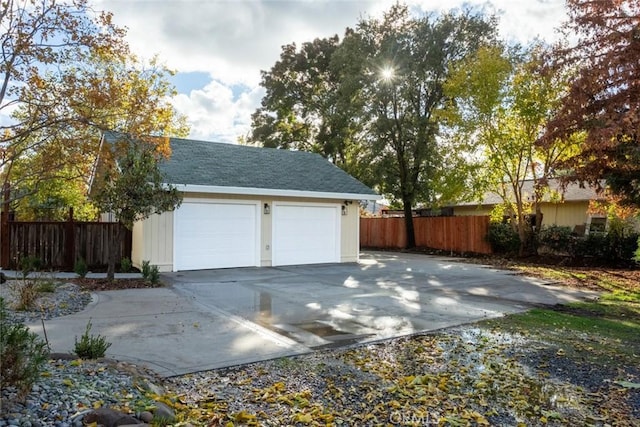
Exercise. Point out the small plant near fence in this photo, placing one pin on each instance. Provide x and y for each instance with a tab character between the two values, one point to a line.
29	264
81	268
91	346
22	354
125	265
503	238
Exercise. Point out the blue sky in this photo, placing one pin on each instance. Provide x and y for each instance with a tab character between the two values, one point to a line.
218	47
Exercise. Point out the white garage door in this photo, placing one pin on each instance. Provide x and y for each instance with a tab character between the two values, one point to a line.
306	234
216	235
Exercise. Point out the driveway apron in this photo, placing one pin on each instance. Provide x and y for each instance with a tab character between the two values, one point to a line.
217	318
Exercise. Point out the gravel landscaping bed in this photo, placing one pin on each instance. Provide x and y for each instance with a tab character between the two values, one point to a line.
68	298
69	389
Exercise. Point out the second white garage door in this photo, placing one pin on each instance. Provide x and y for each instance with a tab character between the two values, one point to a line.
216	235
305	233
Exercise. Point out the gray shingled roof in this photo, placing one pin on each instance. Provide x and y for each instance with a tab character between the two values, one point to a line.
195	162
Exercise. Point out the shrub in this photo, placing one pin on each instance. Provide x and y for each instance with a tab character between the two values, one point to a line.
146	269
47	286
22	354
636	257
502	238
623	246
610	248
81	268
592	245
28	265
557	238
154	275
90	346
27	294
125	265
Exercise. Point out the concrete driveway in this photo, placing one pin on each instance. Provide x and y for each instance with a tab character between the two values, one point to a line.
217	318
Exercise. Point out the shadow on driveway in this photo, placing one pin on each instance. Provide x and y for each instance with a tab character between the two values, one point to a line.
217	318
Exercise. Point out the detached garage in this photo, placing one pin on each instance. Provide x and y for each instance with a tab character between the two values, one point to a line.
247	207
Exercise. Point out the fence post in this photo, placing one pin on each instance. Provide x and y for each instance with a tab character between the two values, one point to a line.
70	241
5	241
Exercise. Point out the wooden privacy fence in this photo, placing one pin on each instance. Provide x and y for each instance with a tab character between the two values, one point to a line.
454	233
58	245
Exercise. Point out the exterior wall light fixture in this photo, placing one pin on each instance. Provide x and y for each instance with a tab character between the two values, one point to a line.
345	209
266	209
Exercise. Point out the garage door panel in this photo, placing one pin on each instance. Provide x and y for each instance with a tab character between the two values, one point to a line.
306	234
216	235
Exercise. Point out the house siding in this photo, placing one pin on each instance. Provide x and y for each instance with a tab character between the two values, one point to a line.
350	226
153	241
569	214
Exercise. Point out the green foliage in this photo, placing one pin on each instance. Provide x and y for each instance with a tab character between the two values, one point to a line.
29	264
502	106
610	248
90	346
154	275
46	286
374	103
125	265
557	238
146	269
132	186
503	238
636	257
81	268
22	354
50	199
150	273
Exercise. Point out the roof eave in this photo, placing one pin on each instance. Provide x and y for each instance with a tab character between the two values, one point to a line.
274	192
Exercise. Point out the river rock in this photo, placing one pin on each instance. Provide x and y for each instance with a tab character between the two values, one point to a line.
109	418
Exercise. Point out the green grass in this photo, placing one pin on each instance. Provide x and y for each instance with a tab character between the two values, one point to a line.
604	329
46	286
588	318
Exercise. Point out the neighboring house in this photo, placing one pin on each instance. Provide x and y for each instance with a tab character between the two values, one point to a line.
565	207
247	206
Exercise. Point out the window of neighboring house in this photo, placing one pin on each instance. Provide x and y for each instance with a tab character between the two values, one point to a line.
597	225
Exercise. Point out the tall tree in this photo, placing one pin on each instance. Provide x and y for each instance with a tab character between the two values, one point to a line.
604	97
131	186
68	75
503	104
38	40
409	60
373	103
309	106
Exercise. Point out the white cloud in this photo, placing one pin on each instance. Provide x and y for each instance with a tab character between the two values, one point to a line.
233	40
216	114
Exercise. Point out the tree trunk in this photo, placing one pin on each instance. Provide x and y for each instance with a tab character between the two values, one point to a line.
408	225
114	244
522	233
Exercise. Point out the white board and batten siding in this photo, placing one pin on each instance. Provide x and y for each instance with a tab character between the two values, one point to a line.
216	234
